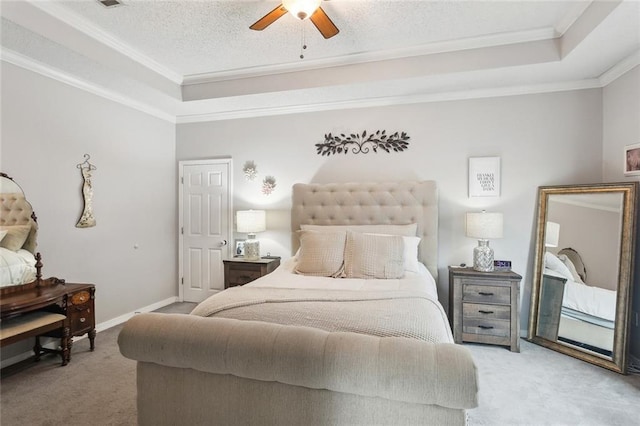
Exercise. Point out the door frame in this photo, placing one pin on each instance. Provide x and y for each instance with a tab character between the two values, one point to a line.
181	165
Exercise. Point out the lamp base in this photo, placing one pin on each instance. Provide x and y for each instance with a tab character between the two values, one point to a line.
483	257
252	248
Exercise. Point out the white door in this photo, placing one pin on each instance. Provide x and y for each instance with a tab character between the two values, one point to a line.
206	222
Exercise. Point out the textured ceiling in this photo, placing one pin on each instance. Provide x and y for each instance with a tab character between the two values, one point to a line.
193	60
196	37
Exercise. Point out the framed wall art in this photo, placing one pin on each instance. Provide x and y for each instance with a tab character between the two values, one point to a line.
484	177
632	160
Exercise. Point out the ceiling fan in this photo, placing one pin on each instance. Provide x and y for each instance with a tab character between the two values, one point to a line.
301	9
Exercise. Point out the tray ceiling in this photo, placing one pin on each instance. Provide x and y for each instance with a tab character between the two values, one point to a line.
195	60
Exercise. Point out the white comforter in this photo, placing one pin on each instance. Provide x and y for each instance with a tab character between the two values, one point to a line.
284	277
595	301
16	267
406	307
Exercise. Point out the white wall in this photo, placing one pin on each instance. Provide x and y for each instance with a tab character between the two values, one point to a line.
536	136
621	126
621	123
47	127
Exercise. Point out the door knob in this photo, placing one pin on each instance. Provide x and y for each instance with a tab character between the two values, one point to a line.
223	243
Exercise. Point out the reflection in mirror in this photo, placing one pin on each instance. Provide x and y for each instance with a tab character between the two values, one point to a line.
18	235
582	276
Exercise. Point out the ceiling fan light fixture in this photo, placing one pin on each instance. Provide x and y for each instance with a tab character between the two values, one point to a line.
301	9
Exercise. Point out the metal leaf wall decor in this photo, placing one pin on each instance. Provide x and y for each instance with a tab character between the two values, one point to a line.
362	144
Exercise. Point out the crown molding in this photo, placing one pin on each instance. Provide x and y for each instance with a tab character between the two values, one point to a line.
615	72
46	70
79	23
494	92
621	68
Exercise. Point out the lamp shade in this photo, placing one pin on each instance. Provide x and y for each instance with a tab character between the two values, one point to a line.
301	9
251	221
552	234
484	225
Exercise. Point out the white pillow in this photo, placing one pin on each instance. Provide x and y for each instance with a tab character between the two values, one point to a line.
411	253
571	267
321	254
373	256
408	230
552	262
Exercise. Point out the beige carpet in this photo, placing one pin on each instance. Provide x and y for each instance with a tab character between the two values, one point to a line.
534	387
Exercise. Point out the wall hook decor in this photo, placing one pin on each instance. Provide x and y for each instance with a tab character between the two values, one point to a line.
250	170
356	143
268	185
87	219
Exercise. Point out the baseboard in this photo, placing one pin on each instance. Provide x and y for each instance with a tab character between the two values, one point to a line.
99	327
124	318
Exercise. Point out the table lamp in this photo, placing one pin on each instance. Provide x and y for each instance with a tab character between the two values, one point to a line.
250	222
483	226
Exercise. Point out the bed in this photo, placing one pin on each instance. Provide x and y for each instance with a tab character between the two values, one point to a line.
347	331
586	314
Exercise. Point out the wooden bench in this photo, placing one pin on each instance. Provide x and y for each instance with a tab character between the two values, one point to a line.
35	324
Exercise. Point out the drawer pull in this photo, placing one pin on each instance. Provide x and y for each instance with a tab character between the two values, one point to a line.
484	293
485	312
485	327
83	319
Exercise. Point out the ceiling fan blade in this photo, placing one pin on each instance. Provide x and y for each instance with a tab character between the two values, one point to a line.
324	24
269	18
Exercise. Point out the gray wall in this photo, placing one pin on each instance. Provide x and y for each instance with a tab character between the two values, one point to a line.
621	126
536	136
47	127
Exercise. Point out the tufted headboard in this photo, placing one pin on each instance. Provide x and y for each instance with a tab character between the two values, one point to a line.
396	203
16	210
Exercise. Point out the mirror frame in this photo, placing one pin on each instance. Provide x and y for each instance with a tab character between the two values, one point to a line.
629	190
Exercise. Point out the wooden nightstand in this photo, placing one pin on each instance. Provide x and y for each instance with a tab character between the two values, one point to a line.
484	307
239	271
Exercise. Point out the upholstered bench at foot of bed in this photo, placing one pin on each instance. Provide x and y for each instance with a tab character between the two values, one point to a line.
35	324
198	370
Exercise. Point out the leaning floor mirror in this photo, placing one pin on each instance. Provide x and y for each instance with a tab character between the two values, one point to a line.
583	273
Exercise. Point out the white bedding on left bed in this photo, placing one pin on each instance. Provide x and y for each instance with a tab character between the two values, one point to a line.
16	267
285	277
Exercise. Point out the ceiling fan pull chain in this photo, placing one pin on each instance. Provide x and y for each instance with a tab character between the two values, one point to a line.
303	44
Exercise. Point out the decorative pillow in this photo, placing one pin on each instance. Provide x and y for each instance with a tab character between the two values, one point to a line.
410	256
408	230
15	237
555	264
374	256
321	254
571	267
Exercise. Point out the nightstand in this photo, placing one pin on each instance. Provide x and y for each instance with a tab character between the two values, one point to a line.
484	307
239	271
